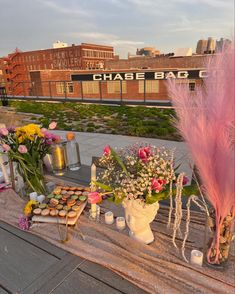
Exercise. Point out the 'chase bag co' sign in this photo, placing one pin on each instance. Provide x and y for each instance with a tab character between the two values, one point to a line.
149	75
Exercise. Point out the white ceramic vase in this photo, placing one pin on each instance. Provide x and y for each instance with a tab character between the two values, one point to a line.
138	218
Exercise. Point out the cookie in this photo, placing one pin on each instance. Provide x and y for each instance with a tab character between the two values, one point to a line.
62	213
54	201
50	196
71	202
59	206
85	193
82	198
37	211
72	214
72	188
70	192
42	206
78	193
45	212
57	191
64	192
58	196
54	212
75	208
66	208
75	197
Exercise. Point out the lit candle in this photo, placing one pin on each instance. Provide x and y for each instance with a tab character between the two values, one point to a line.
108	217
120	223
4	170
93	210
196	257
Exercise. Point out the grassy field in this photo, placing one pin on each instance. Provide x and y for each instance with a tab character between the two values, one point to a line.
125	120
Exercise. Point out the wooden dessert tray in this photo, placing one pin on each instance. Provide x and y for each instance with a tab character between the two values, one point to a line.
58	219
63	206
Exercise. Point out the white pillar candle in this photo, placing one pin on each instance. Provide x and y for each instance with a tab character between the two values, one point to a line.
196	257
4	170
108	217
120	223
93	176
33	196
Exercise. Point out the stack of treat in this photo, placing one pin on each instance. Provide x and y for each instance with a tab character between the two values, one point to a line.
63	202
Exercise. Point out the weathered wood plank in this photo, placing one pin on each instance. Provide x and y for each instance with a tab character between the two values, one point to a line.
20	262
79	282
109	277
53	277
34	240
2	291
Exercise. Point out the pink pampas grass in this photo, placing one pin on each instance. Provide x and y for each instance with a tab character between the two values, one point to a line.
206	121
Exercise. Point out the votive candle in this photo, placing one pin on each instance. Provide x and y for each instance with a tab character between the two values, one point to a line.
120	223
196	257
108	218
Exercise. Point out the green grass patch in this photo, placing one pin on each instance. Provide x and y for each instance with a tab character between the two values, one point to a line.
134	121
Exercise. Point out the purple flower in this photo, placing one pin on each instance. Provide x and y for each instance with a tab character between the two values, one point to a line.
23	223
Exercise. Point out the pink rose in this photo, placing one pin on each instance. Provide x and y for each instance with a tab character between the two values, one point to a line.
22	149
185	180
107	150
4	131
6	147
43	130
94	197
157	185
144	153
52	125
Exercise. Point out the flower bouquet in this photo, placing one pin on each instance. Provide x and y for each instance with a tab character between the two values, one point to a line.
139	177
27	146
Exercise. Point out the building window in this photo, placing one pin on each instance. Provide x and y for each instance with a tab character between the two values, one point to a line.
114	87
90	87
150	86
191	86
64	87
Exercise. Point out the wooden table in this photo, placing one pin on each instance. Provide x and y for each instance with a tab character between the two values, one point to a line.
29	264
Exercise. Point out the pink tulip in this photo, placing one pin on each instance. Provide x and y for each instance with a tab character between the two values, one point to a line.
22	149
52	125
107	150
94	197
144	153
4	131
6	147
157	185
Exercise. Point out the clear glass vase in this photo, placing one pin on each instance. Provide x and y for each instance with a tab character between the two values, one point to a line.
33	177
217	256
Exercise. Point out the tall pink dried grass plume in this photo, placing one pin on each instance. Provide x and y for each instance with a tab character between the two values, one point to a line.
206	121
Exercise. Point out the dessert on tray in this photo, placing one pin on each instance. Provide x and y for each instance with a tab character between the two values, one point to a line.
64	204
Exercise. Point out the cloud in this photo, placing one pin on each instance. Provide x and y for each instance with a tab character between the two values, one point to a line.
64	9
121	46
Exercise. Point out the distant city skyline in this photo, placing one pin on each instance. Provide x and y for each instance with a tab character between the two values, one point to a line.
124	24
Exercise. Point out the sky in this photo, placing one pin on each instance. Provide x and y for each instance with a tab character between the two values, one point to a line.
124	24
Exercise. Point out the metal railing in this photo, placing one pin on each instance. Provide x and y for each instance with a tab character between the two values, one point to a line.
62	91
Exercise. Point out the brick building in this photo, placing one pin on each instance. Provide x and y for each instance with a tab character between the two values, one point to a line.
125	85
16	66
